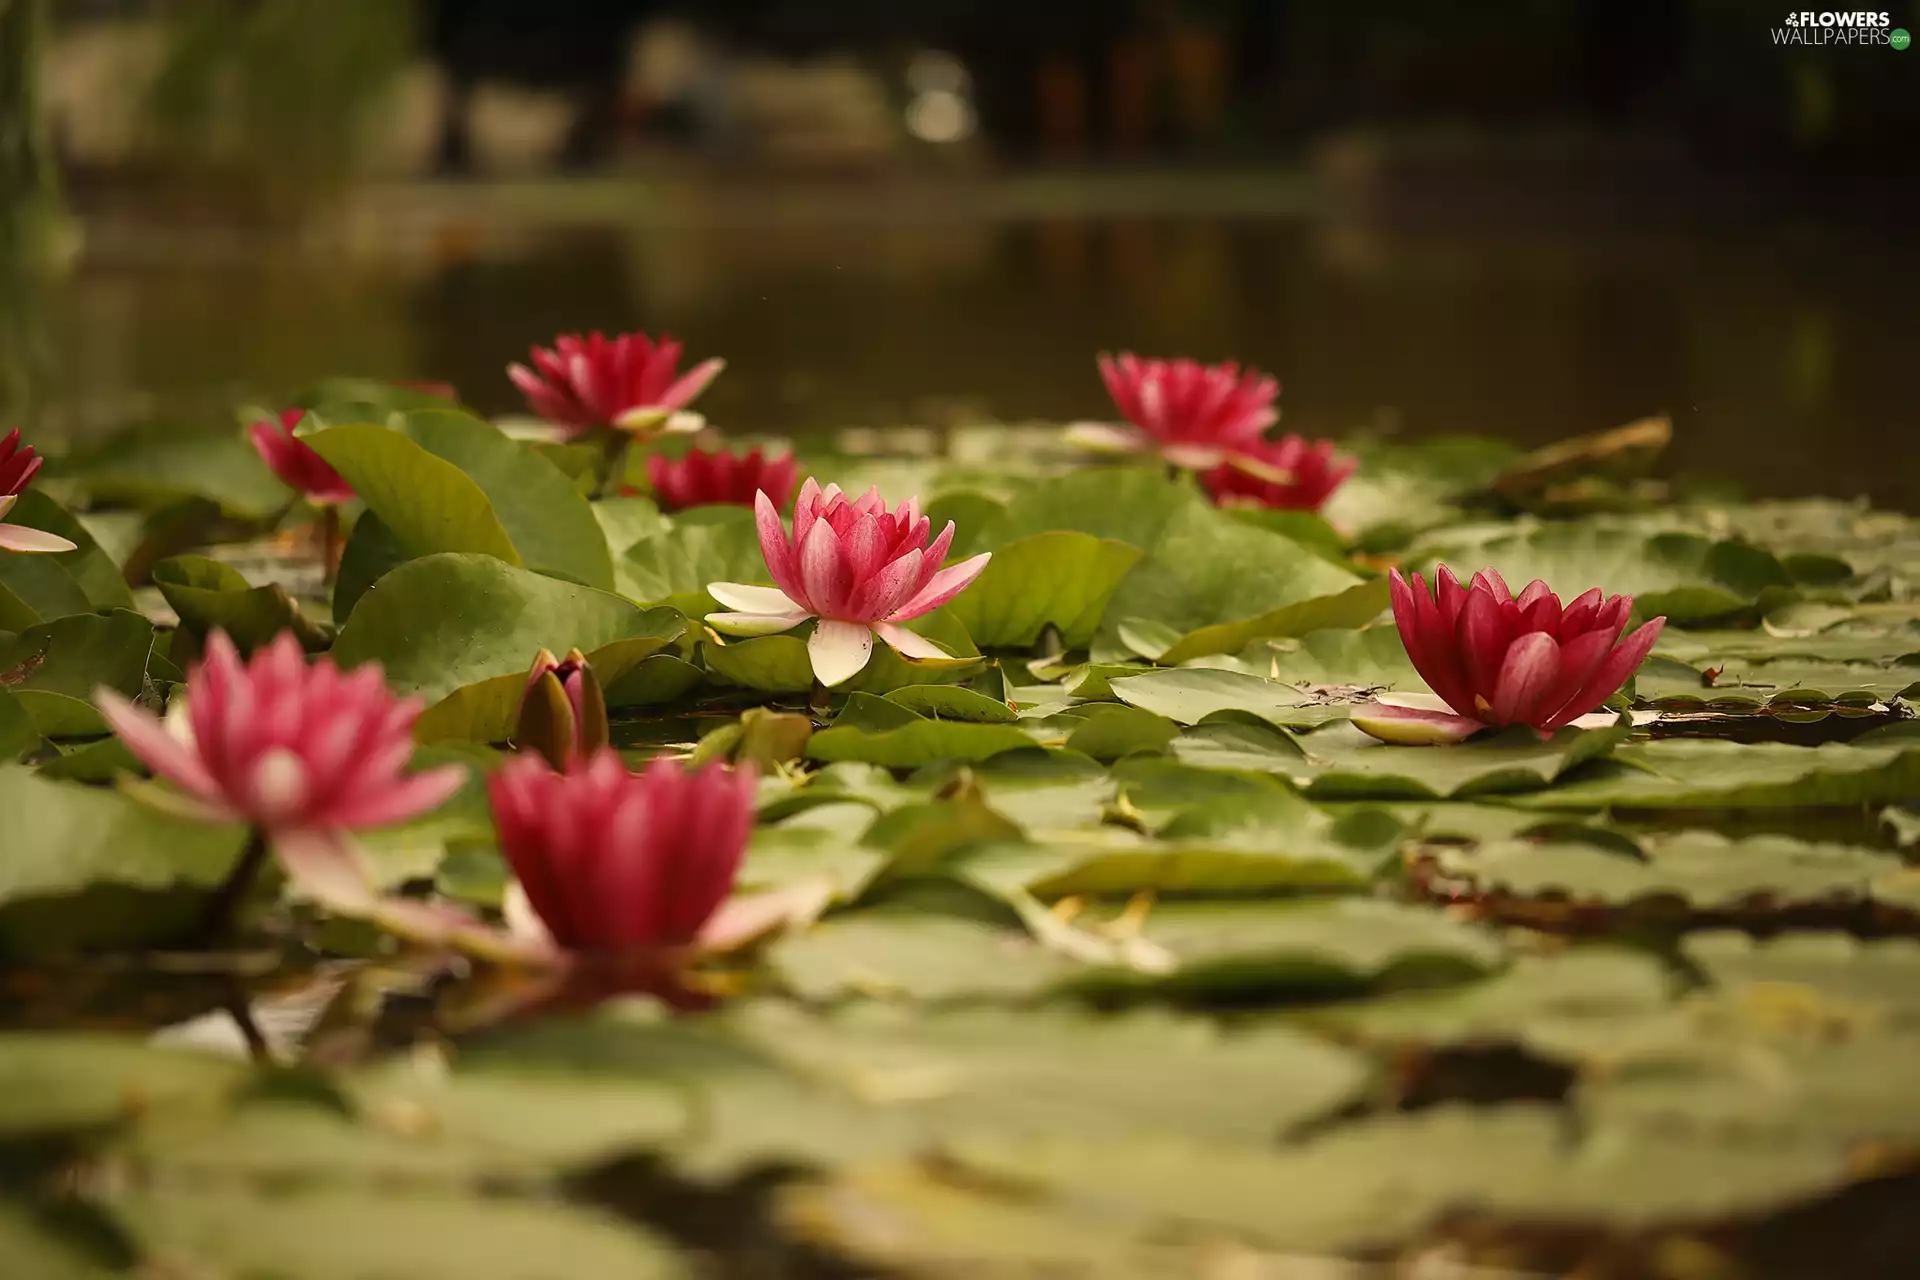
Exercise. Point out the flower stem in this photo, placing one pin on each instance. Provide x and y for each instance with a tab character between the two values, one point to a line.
618	445
240	1009
216	922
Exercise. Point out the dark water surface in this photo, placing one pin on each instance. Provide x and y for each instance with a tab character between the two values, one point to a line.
1783	354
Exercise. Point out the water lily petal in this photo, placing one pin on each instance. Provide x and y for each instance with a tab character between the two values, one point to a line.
907	643
839	650
756	624
1529	670
1412	727
18	537
327	867
410	797
1105	437
752	599
942	587
162	751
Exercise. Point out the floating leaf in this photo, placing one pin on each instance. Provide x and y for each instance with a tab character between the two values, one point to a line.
1218	586
1340	762
92	569
1698	872
674	567
912	745
54	1082
1189	695
545	516
1695	773
913	955
1108	733
1062	579
1338	946
206	594
90	867
487	710
431	1234
426	502
444	621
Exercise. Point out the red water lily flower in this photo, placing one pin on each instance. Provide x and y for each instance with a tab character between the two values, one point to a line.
630	382
1288	474
860	569
614	862
1192	415
720	478
17	467
295	462
1498	659
304	753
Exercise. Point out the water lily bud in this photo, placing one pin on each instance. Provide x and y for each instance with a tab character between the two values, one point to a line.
563	711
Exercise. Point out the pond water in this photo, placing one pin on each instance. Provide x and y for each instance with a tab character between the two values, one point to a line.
1778	351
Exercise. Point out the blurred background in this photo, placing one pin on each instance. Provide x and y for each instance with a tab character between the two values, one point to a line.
1524	219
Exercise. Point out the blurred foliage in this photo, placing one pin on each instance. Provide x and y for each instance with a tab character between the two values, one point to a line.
29	205
277	94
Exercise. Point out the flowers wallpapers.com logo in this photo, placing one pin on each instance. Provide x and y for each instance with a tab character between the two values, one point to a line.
1828	27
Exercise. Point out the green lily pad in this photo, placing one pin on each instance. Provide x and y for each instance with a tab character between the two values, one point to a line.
487	710
1270	843
95	572
428	503
1189	695
674	566
1108	733
625	521
1217	586
1776	682
952	702
1296	949
157	466
1125	504
1531	1003
913	955
548	520
1703	870
1698	773
92	868
432	1234
921	742
1340	762
54	1082
1062	579
1842	978
976	1072
1384	1180
444	621
53	669
207	594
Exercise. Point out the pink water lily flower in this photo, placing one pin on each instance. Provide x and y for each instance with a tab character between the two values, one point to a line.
860	569
629	381
1289	474
304	753
17	468
720	478
295	462
1499	660
1192	415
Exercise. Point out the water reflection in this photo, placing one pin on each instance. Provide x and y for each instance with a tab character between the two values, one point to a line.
1779	354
